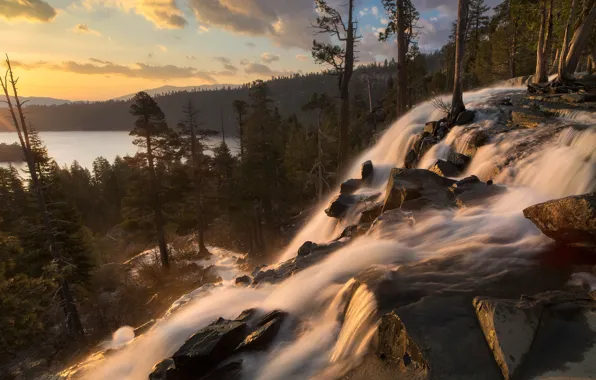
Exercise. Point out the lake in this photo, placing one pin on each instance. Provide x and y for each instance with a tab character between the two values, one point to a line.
85	147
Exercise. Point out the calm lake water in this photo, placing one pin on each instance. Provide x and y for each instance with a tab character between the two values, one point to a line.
84	147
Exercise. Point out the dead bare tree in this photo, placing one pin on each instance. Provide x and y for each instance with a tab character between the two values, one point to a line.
73	321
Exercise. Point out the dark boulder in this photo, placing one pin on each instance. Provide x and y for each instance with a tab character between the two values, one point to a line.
422	145
465	117
371	213
160	370
266	332
411	184
243	280
476	194
209	347
445	169
246	315
461	161
509	329
340	205
368	171
229	371
431	127
479	138
350	186
307	248
570	220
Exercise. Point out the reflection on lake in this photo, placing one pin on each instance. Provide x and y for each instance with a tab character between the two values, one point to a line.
84	147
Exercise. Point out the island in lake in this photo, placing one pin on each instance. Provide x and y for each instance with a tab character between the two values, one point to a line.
11	153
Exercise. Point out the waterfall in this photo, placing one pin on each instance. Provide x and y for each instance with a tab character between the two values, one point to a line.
556	160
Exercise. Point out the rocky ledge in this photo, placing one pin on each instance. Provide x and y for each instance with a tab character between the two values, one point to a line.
212	353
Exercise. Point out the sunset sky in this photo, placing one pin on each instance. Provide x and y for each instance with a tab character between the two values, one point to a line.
101	49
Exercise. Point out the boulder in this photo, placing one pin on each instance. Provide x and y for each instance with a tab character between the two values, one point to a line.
431	127
465	117
243	280
461	161
229	371
307	248
411	184
246	315
509	329
527	118
261	338
419	149
209	347
445	169
570	220
350	186
371	213
573	98
475	194
160	370
340	205
367	171
395	344
478	139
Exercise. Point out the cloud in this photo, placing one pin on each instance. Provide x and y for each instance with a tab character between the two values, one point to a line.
137	70
191	57
384	21
84	29
374	11
223	60
244	62
269	57
203	29
303	57
162	48
27	10
255	68
251	45
164	14
286	23
364	12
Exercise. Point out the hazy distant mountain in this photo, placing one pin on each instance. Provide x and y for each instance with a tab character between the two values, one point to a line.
38	101
168	89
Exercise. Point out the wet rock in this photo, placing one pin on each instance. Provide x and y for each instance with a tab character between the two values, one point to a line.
505	102
395	344
261	338
411	184
445	169
340	205
527	118
246	315
386	224
160	370
243	280
422	145
371	213
307	248
461	161
209	347
229	371
570	220
465	117
476	194
272	315
350	186
509	328
431	127
573	98
464	184
367	171
478	139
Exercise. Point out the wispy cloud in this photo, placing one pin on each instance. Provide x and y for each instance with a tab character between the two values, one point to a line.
84	29
269	57
303	57
162	48
164	14
27	10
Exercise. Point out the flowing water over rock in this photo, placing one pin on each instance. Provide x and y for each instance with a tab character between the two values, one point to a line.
334	303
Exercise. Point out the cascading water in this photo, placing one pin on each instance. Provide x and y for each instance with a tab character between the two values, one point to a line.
555	161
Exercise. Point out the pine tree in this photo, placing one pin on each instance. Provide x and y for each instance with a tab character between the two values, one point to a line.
156	140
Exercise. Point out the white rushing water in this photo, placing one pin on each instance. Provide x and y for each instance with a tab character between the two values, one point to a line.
492	236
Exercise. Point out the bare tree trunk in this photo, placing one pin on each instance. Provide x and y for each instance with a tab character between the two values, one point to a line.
198	189
543	48
402	78
73	320
345	91
457	104
578	44
513	47
566	39
158	216
369	88
320	157
553	65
